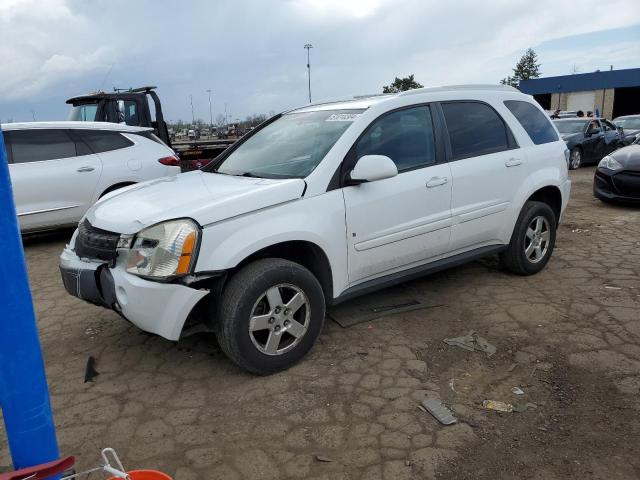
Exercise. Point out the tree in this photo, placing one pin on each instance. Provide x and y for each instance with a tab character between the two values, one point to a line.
526	68
220	120
401	85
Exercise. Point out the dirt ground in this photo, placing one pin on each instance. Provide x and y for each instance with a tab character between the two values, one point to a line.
569	337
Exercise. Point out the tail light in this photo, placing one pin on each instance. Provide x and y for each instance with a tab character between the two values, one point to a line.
170	161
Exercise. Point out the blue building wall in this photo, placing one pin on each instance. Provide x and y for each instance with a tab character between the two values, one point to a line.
581	82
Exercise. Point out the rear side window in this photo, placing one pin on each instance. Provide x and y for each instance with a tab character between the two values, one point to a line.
131	116
103	140
535	123
405	136
475	129
38	145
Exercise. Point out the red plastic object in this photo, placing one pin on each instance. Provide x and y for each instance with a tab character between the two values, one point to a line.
145	475
46	470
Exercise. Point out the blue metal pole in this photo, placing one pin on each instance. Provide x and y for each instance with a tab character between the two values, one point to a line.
24	395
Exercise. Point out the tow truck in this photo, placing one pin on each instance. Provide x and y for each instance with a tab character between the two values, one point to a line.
142	107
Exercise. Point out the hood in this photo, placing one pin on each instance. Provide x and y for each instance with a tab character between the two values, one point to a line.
204	197
629	157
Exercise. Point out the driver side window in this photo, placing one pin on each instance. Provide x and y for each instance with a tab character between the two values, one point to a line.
405	136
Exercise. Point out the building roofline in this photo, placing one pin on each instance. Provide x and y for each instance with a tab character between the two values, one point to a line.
580	82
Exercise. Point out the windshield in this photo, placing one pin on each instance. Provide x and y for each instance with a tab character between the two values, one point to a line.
571	126
290	147
83	113
628	123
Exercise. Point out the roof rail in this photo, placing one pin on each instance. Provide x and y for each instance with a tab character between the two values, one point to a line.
444	88
370	95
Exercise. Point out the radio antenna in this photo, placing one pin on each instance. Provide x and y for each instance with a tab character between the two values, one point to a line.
105	77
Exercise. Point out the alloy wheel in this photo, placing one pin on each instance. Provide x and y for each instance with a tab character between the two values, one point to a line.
279	319
576	158
536	242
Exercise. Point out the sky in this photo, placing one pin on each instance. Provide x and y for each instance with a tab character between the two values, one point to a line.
250	53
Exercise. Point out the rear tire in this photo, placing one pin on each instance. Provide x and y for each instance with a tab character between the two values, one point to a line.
271	314
575	158
532	241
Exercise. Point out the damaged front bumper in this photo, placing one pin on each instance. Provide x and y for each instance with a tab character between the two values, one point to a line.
159	308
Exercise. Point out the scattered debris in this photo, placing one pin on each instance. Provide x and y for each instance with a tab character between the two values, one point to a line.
439	411
452	384
323	459
517	391
611	287
497	406
472	342
91	331
512	367
579	230
90	371
521	407
407	463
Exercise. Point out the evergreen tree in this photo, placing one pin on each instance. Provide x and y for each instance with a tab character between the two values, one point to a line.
526	68
401	85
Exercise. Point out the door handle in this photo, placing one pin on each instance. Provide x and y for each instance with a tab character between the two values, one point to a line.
513	162
85	169
437	181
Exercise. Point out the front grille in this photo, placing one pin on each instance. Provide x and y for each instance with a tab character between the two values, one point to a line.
95	243
627	183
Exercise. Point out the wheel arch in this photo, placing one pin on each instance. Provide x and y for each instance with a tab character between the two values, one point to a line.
304	252
552	196
116	186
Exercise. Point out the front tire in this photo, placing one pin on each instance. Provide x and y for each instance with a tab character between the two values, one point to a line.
532	241
575	158
271	314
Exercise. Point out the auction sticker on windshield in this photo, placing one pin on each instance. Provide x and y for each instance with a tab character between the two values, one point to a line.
342	117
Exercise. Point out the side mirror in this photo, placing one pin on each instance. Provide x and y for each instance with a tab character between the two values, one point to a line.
371	168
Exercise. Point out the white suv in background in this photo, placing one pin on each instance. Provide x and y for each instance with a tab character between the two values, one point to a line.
59	169
321	204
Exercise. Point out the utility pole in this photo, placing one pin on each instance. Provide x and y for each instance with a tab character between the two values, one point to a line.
210	113
193	118
308	47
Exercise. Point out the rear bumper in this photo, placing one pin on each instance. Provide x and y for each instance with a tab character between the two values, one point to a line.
159	308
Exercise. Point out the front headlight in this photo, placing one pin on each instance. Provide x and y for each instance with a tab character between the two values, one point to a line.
610	163
164	250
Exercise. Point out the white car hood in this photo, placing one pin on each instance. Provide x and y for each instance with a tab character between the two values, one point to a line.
204	197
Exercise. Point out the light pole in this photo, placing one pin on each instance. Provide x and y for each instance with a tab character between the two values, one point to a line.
210	113
193	118
308	47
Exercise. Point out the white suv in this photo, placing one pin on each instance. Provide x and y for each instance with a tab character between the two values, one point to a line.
321	204
59	169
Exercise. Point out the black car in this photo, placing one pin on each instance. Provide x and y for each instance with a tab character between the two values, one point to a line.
630	128
617	177
588	139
